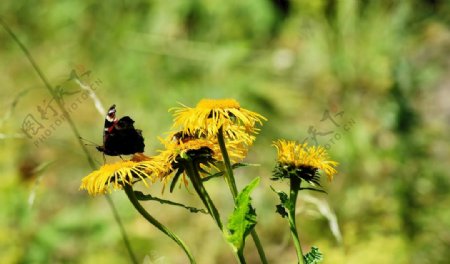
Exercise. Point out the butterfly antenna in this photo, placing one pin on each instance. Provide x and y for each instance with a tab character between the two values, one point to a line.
89	143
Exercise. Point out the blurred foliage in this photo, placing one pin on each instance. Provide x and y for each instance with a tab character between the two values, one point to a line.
383	66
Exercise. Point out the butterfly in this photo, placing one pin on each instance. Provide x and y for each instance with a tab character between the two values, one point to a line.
119	135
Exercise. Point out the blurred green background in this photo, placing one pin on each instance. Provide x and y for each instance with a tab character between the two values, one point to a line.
380	69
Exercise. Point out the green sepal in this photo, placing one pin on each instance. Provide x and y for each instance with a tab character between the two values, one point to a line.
288	171
314	256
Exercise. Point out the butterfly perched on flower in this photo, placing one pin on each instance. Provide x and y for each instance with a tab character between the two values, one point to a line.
119	135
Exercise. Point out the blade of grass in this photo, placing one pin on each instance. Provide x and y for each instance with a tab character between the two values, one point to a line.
74	130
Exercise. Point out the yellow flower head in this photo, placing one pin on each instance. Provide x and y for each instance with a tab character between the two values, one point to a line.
210	115
179	143
176	154
119	173
302	161
182	147
203	152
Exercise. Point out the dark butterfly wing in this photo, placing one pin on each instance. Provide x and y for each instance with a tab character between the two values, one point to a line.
120	137
124	139
110	120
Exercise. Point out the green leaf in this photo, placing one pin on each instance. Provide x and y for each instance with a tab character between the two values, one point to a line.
314	256
281	210
147	197
240	164
313	189
243	219
211	176
175	180
285	203
234	166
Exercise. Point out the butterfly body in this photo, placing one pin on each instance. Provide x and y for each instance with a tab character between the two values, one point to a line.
119	135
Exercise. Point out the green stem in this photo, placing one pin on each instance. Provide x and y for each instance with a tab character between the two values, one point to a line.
295	186
51	91
229	177
259	246
122	229
194	176
241	258
202	193
132	197
74	130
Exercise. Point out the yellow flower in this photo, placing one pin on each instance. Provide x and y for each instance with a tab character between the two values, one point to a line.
181	148
203	152
303	161
210	115
116	174
179	143
175	156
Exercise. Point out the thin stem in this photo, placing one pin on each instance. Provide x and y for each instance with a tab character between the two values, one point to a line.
194	176
122	229
259	246
229	176
73	128
51	91
295	186
241	258
202	193
132	197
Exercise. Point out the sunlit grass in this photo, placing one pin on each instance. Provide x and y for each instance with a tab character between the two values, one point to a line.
347	57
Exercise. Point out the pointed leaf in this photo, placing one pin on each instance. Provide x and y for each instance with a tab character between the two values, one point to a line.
147	197
234	166
240	164
175	180
243	219
312	189
207	178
